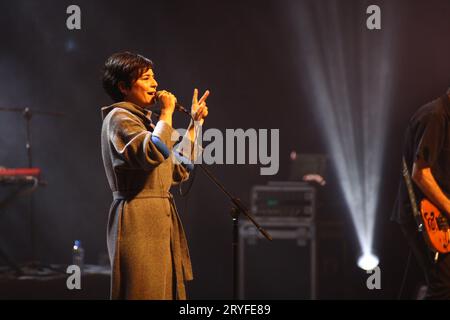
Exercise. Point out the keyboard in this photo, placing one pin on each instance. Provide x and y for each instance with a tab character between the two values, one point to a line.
19	175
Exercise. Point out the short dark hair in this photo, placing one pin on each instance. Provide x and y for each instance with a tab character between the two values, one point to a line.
126	67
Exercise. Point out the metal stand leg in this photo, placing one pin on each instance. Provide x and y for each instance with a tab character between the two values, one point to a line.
10	262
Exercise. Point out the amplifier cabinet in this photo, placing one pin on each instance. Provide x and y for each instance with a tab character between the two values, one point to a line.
284	268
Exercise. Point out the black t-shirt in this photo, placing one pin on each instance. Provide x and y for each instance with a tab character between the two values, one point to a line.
428	139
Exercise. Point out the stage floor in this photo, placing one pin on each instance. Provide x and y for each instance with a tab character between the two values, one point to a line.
50	282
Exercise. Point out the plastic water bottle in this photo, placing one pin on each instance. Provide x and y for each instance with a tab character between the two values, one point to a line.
78	254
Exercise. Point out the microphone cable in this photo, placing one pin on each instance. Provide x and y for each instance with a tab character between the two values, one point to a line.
192	175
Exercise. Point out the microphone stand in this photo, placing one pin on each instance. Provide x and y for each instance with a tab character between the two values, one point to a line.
28	114
237	208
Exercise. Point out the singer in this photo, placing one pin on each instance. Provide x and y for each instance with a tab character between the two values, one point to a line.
146	243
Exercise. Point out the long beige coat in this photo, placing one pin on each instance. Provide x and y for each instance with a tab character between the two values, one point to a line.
146	242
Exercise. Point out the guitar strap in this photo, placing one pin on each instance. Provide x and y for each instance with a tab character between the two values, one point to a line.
412	199
411	195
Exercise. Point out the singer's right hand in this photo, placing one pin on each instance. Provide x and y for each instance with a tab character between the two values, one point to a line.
167	102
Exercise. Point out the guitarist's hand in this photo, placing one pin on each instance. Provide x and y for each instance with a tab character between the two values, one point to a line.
424	179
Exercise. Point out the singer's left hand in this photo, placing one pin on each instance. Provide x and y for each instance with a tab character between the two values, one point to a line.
199	109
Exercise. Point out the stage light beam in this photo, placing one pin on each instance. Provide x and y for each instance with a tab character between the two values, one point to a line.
368	261
345	71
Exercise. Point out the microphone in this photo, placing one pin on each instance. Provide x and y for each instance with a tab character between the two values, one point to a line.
178	106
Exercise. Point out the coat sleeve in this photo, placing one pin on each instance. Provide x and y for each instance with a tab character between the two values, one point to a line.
182	167
186	153
135	146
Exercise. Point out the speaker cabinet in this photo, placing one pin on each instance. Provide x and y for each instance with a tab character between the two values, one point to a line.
284	268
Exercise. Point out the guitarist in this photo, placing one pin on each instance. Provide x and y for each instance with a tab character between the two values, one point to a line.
427	154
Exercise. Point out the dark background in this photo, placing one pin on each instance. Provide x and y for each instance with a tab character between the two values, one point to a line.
246	53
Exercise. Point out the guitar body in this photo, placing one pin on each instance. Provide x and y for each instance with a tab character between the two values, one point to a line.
437	232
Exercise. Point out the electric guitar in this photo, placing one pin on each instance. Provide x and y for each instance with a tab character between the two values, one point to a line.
430	221
435	223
